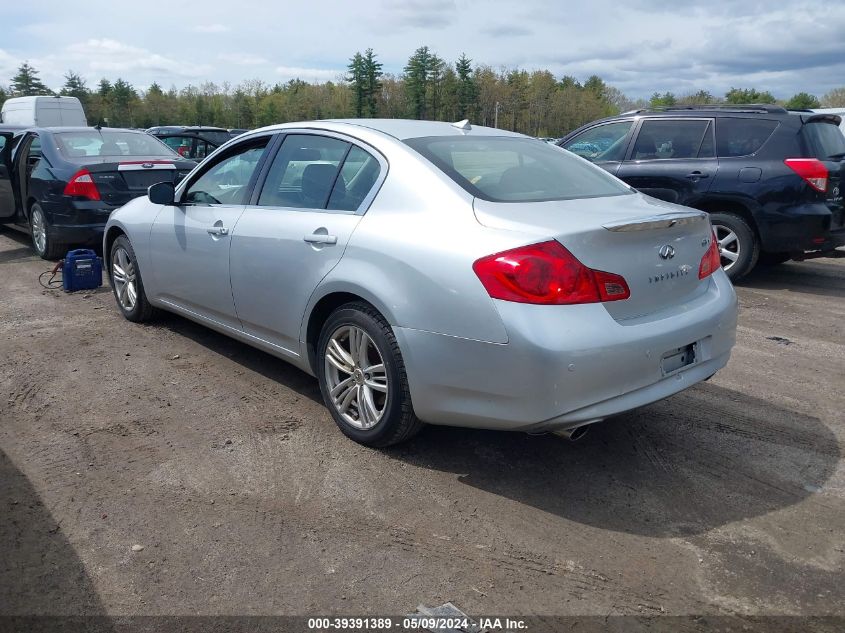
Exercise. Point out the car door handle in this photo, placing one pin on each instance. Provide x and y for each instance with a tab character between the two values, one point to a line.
217	231
319	238
697	174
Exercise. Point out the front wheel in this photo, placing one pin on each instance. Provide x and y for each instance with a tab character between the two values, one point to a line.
738	245
127	284
362	377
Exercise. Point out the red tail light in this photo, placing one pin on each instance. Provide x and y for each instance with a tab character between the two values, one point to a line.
712	259
547	274
82	185
812	170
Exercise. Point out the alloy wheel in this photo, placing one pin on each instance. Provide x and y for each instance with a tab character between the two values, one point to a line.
729	246
39	230
356	377
124	279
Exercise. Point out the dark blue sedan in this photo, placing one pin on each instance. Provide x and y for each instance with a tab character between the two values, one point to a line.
61	184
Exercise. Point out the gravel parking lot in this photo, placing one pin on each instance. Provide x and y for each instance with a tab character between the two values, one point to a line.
222	463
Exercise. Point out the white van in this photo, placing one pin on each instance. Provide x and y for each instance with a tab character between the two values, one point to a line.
43	112
837	111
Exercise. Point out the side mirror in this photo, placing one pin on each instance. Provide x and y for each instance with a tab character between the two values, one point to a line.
162	193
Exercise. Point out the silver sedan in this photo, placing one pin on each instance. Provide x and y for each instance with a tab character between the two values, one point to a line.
433	272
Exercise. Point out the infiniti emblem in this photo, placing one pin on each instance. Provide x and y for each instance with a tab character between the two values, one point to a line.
667	251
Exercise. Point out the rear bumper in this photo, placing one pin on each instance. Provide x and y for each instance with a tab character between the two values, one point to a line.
78	223
79	234
810	227
565	365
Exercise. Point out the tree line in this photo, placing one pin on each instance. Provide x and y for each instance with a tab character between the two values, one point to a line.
532	102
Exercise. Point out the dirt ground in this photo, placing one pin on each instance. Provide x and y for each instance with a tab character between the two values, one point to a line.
222	462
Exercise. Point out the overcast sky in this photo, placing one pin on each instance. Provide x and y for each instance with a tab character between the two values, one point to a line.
639	46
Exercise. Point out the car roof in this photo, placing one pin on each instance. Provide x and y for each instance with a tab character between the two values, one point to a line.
79	128
400	129
185	128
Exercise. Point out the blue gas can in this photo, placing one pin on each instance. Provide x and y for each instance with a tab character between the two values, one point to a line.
82	270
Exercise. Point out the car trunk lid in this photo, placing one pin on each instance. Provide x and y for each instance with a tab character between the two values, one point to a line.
825	142
119	181
656	246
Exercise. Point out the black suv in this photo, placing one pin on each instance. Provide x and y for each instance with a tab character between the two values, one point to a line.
771	179
191	141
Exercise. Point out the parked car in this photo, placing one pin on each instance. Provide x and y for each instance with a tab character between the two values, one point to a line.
191	142
237	131
61	183
433	272
43	112
771	180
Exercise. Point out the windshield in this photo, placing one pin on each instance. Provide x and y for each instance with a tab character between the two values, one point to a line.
515	169
111	143
824	140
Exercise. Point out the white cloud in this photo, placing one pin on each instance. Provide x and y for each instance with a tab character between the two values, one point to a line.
308	74
112	57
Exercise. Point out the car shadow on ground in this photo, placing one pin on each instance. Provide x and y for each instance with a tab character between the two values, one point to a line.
249	357
809	277
40	572
683	466
698	460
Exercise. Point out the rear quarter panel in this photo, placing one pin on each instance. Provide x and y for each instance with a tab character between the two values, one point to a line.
411	255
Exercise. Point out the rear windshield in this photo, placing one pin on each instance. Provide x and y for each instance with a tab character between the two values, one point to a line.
111	143
824	140
513	169
741	137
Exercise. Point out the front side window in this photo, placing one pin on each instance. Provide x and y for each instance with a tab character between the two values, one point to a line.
304	172
227	180
515	169
602	143
672	139
741	137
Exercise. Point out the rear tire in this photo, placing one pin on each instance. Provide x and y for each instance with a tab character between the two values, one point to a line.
45	245
738	244
126	282
362	377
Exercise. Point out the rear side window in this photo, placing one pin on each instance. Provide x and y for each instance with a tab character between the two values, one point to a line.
669	139
303	172
741	137
515	169
824	140
359	173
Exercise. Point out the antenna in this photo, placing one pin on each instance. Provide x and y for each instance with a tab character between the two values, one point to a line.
463	126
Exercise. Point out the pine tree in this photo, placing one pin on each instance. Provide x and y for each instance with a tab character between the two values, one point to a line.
358	81
417	75
75	87
372	81
467	88
26	82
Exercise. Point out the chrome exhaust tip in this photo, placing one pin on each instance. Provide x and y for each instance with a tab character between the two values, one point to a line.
573	434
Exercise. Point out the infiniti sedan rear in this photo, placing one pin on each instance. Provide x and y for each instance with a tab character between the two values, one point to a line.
433	272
